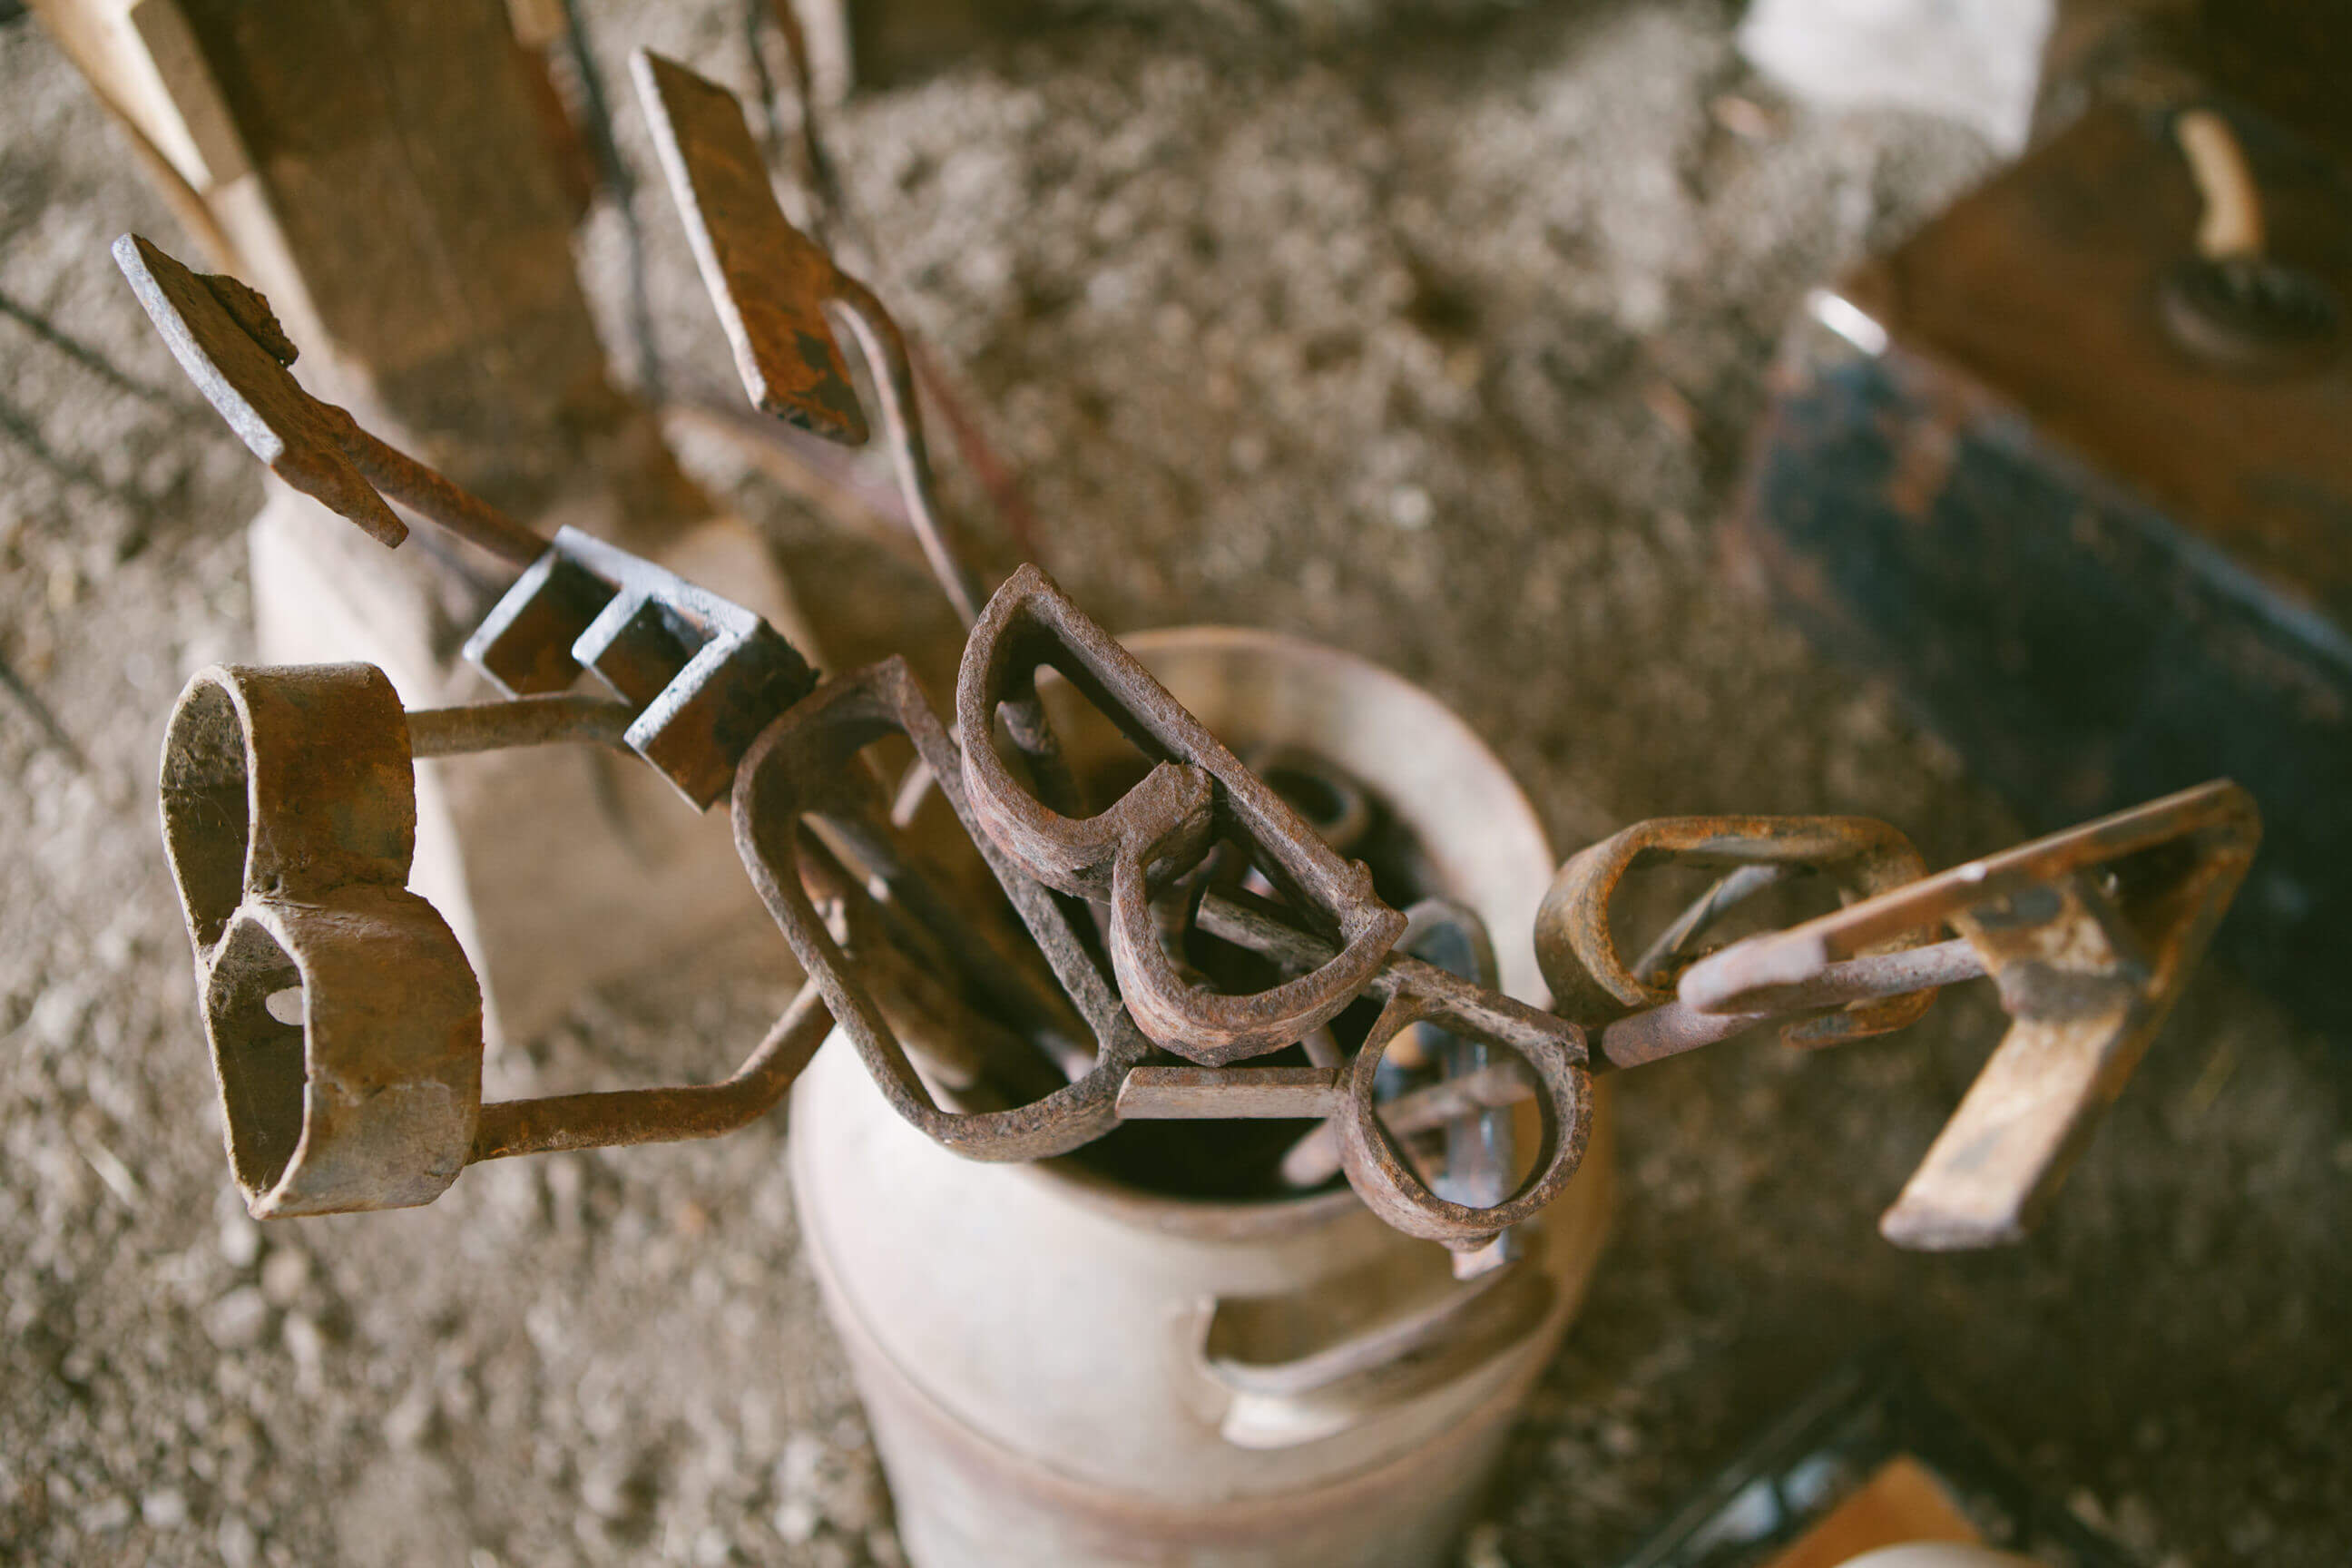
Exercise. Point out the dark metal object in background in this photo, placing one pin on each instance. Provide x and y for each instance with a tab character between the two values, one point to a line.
1827	1447
2104	562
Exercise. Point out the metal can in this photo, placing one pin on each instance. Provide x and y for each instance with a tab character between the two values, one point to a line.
1060	1368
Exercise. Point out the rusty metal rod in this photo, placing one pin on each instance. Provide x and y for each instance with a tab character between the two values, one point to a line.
1218	1094
1670	1029
1747	972
884	350
883	345
1646	1037
1247	920
434	496
611	1118
521	722
1315	1158
1710	906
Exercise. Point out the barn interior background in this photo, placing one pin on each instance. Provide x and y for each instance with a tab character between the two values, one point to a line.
1436	338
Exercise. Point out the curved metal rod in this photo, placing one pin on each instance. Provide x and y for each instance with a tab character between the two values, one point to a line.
1726	894
884	348
1652	1035
618	1117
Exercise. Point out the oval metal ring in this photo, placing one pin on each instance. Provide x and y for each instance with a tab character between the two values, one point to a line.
1384	1177
289	817
1576	942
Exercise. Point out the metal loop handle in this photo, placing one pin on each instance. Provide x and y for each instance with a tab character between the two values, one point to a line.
1160	828
1576	942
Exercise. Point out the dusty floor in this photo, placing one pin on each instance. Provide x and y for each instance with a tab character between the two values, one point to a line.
1440	347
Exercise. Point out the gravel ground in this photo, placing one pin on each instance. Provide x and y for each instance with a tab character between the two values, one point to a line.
1440	345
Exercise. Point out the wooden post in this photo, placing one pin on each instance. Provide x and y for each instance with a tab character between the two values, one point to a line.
386	171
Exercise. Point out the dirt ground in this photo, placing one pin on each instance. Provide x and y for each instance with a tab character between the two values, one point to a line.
1438	344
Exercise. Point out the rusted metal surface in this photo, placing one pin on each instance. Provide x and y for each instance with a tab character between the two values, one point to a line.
769	281
1673	1027
1218	1094
1375	1163
2089	933
1576	942
345	1024
1020	1030
519	721
974	1020
1314	1159
1249	921
380	168
772	286
1384	1175
704	674
795	769
290	817
233	350
1414	991
1197	794
884	348
617	1116
225	337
